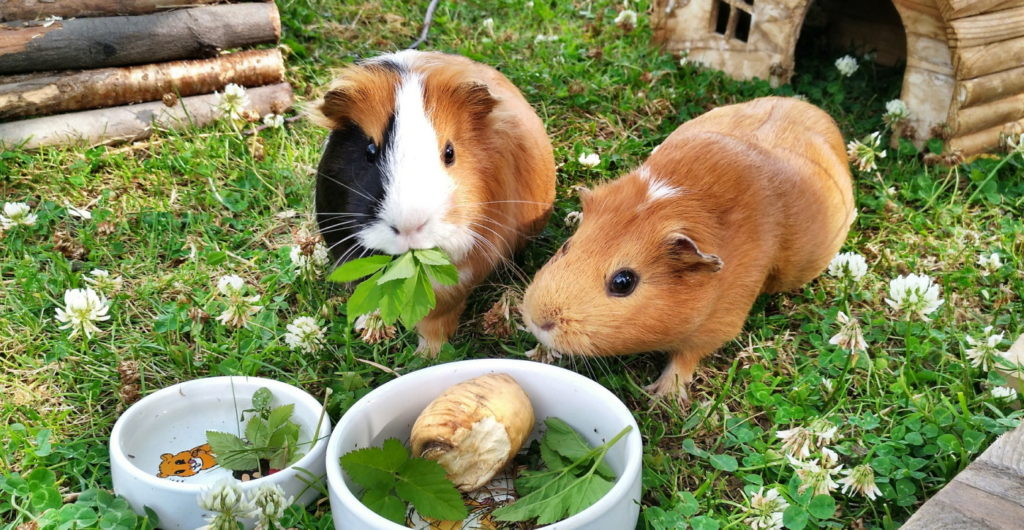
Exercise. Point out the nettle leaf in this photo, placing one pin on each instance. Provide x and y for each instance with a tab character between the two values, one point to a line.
231	451
381	500
424	484
359	268
563	439
401	268
375	467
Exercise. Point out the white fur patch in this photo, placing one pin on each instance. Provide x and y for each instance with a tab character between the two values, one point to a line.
418	191
656	188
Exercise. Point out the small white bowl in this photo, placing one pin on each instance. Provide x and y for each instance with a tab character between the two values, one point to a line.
176	419
390	410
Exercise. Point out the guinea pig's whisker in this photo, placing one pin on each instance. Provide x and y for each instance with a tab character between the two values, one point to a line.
333	246
513	201
361	193
334	227
498	256
344	214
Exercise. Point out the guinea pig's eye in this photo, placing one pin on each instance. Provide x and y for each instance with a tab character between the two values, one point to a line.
622	283
449	154
371	153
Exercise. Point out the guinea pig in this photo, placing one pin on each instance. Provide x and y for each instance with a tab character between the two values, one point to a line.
432	150
746	199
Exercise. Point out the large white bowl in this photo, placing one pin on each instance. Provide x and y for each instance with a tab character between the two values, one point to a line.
390	410
176	419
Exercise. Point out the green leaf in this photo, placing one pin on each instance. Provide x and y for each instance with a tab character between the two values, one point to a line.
399	269
795	517
257	432
375	467
444	274
390	302
423	483
690	447
261	398
703	522
382	501
417	304
724	462
563	439
552	459
118	520
231	451
432	256
822	506
280	415
688	504
364	298
359	268
547	503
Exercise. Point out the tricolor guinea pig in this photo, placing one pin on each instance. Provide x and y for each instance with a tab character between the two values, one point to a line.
432	150
746	199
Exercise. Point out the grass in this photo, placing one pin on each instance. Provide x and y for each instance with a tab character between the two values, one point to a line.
173	214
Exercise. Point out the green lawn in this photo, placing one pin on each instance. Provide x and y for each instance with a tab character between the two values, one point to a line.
174	214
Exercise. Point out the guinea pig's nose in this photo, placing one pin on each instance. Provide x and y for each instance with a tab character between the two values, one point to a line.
547	326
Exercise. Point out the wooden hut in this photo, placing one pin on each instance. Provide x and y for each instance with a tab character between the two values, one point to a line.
964	77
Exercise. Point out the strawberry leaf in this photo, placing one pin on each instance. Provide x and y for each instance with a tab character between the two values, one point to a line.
375	467
384	503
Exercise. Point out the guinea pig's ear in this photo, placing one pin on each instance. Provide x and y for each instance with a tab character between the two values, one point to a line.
331	110
584	194
688	255
476	98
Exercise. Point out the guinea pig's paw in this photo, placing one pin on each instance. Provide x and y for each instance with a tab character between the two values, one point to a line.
668	386
543	354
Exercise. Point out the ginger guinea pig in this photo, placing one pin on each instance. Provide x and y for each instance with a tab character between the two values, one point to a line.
432	150
745	199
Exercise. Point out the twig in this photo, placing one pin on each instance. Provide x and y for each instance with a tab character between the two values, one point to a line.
426	25
379	366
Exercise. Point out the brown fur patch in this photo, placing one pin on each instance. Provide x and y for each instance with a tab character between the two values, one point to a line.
363	94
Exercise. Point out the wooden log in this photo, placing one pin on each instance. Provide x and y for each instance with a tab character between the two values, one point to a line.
986	59
972	119
928	78
986	140
986	28
953	9
42	94
41	9
990	87
132	122
122	41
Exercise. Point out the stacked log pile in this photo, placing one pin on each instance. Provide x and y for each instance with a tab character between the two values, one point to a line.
102	71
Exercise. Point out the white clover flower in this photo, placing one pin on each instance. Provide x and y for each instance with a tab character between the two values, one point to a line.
826	383
766	509
82	309
848	265
895	111
815	476
239	307
864	154
861	480
227	501
17	213
850	336
274	121
1015	143
270	502
543	354
989	263
847	65
1004	393
372	329
233	101
573	218
103	281
80	213
488	25
829	457
626	19
983	352
916	295
312	264
589	159
545	38
304	334
824	431
796	441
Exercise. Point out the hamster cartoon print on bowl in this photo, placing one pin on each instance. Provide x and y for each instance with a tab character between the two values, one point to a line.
747	198
432	150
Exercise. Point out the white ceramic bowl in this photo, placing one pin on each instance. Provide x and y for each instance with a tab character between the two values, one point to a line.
390	410
176	419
